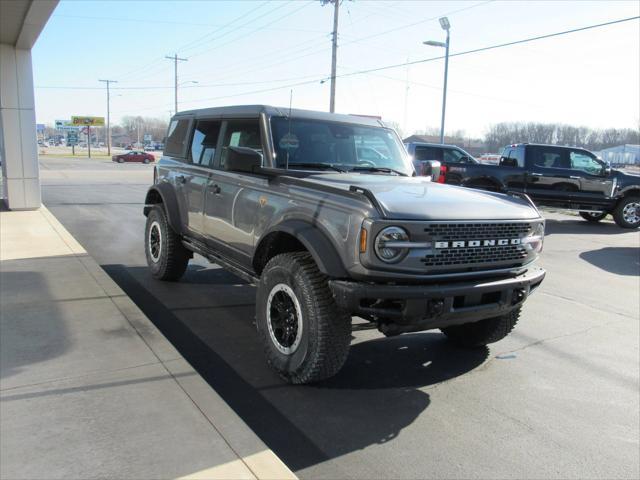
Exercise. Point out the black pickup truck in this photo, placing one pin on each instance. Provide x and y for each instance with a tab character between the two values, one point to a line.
563	177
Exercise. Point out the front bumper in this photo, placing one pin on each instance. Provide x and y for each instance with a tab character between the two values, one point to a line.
407	308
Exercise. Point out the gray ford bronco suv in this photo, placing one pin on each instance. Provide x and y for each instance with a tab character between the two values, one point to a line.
324	213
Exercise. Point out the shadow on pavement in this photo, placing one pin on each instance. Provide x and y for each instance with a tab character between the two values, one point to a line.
582	227
618	260
30	332
370	401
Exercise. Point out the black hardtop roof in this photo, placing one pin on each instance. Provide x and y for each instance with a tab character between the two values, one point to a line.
240	111
522	144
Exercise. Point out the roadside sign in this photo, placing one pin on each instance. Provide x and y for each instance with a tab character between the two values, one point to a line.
72	138
65	125
148	137
40	127
89	121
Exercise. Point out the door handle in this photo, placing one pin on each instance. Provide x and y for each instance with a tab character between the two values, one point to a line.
574	177
536	175
215	188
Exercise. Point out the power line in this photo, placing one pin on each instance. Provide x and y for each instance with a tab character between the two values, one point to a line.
492	47
387	67
477	50
257	29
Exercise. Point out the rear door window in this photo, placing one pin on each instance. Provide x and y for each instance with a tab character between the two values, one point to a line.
550	157
176	143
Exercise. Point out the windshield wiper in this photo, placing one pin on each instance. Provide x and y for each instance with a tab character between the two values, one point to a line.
319	166
378	169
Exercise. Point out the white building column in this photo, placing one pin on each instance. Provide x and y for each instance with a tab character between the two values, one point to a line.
18	145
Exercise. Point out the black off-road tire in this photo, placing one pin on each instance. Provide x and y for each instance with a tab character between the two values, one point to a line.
478	334
170	260
323	344
621	212
593	218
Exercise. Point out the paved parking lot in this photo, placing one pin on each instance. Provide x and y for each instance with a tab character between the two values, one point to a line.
558	398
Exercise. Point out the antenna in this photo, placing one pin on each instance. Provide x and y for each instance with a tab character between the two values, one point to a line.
289	134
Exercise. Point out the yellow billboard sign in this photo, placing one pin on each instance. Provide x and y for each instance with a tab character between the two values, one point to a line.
88	121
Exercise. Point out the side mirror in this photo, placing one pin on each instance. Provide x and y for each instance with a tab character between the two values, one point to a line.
606	170
427	168
242	159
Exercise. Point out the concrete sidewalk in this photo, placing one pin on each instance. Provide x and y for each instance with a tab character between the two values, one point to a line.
89	388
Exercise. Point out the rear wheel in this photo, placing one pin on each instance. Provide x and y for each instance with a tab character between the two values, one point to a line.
481	333
593	217
627	212
166	256
305	336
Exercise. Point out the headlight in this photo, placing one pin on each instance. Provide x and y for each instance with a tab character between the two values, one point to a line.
535	239
388	244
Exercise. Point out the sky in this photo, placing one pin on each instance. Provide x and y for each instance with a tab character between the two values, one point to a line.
259	52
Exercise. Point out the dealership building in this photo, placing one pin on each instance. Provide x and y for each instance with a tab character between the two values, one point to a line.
21	22
621	155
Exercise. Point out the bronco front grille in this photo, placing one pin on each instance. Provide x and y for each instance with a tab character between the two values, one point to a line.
476	256
476	231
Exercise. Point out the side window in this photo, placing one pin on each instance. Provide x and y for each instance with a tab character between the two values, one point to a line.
453	156
204	143
550	157
177	138
241	133
586	163
512	157
428	153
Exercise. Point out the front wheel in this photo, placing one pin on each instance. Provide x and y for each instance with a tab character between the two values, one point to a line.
593	217
121	160
627	212
305	336
166	256
146	160
478	334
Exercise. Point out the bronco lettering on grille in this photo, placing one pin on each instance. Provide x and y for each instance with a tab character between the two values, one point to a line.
477	243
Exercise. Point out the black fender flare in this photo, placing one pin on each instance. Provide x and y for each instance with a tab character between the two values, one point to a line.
169	201
317	242
628	190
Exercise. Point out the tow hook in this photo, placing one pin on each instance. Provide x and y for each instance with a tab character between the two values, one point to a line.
518	296
435	308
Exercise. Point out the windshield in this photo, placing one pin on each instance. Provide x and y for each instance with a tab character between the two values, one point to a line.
306	143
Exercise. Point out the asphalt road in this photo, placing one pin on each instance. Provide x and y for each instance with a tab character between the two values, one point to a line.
558	398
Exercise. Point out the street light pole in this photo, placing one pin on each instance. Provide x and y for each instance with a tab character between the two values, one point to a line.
444	23
444	90
108	116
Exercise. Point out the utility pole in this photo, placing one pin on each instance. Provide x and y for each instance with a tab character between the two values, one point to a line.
175	59
334	52
107	82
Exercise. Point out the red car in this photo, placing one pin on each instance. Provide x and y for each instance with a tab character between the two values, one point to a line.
134	156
